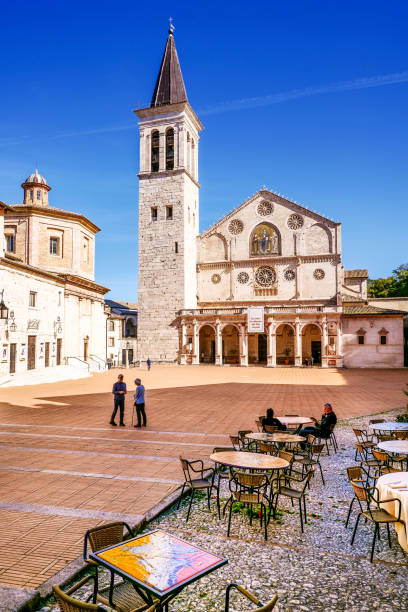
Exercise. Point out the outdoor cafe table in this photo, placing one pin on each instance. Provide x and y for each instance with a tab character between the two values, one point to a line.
394	446
287	420
395	485
158	564
389	426
275	437
249	461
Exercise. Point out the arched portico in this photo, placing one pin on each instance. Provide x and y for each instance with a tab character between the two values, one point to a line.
230	344
207	344
312	349
285	344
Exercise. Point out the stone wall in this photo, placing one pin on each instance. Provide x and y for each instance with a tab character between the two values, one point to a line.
373	354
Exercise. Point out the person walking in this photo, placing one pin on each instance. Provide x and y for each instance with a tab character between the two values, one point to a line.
149	363
119	391
140	403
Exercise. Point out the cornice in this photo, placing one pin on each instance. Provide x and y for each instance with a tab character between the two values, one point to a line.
274	260
23	210
161	173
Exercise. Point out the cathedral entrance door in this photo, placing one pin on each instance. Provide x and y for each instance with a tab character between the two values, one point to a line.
31	352
13	351
317	351
47	355
262	348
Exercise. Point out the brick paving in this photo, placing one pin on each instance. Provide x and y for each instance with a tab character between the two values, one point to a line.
63	469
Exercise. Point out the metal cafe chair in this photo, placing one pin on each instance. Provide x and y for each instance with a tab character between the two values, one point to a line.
249	489
358	474
285	488
376	515
222	473
67	603
195	484
366	440
260	607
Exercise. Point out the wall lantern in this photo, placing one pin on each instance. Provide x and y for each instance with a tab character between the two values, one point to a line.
3	308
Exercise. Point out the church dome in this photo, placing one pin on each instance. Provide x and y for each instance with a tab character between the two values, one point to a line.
36	178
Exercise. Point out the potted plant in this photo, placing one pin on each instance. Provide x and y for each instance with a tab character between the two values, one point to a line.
287	353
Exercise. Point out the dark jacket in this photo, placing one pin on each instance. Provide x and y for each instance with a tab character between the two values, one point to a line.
273	423
324	425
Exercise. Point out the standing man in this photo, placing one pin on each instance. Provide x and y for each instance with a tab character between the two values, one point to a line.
119	392
149	363
140	403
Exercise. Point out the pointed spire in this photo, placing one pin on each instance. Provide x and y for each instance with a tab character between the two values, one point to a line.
169	85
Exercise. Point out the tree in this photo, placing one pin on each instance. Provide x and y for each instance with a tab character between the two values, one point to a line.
392	286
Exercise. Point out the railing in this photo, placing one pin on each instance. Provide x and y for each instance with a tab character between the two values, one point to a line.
77	361
100	362
243	311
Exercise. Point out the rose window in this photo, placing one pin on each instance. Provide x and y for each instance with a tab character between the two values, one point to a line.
236	226
216	278
265	276
243	277
264	209
319	274
289	275
295	221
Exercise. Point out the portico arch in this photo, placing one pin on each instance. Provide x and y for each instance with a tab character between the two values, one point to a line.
312	344
285	344
230	344
207	344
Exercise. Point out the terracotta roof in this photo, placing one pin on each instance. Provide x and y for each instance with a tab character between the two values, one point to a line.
356	273
365	309
169	85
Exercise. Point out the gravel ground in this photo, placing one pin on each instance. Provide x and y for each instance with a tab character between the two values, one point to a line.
315	571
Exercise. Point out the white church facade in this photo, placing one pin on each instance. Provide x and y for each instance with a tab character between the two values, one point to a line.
195	289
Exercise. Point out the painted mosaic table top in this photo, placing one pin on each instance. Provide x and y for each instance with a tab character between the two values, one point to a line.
158	561
287	420
275	437
394	446
390	426
250	461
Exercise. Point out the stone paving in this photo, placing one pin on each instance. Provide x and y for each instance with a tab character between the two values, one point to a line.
63	469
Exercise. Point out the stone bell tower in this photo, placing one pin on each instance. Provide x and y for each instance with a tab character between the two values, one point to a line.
168	210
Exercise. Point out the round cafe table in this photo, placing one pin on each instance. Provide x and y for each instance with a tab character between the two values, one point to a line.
390	426
391	486
395	446
249	461
286	420
279	436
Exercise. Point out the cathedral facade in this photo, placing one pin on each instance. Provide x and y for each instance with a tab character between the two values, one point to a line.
197	291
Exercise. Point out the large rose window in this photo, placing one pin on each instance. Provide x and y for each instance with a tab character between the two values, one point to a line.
265	276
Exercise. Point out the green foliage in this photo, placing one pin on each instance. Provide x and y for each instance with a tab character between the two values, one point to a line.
392	286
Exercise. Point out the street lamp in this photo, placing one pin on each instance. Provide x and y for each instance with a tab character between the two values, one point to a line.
3	308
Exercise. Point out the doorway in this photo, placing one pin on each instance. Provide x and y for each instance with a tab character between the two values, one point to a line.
86	349
316	351
31	352
47	355
262	348
59	350
13	352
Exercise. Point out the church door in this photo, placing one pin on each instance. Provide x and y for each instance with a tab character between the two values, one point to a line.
316	351
13	358
262	344
47	354
59	350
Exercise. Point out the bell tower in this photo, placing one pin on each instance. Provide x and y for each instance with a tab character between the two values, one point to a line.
168	210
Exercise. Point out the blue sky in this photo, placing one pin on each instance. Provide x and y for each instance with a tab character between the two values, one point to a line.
72	73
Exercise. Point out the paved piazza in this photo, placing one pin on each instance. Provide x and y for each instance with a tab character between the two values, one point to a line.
64	469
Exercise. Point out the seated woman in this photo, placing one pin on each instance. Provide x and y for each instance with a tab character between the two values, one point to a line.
272	421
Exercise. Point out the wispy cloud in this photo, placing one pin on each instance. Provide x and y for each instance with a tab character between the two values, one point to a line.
240	104
294	94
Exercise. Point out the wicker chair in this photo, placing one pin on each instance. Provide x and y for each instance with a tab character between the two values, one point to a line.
267	447
236	442
366	440
249	489
241	435
124	596
358	474
376	515
194	484
375	430
401	435
260	607
384	461
270	428
284	488
308	462
367	461
67	603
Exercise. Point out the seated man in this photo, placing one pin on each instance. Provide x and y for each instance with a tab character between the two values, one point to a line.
270	420
322	429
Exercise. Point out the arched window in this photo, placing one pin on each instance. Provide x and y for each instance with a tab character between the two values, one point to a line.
170	149
265	240
155	151
188	152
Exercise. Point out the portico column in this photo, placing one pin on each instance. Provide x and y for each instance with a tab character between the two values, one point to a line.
243	346
324	345
183	343
339	340
298	346
218	344
196	348
271	357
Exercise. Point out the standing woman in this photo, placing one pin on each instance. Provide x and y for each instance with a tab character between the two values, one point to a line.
140	403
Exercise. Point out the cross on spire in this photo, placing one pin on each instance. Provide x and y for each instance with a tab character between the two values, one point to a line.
171	26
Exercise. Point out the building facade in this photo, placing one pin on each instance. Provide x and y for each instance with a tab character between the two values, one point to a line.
195	289
55	310
121	333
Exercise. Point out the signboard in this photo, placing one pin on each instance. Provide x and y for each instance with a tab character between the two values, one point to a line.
256	320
